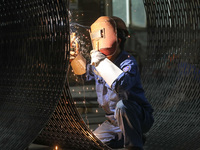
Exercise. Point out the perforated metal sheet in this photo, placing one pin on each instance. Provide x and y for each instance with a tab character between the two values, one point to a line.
67	129
171	75
33	45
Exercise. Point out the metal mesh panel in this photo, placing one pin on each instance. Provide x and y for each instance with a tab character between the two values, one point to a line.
171	73
67	129
33	39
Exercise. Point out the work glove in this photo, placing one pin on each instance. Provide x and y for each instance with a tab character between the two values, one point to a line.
74	46
72	55
96	57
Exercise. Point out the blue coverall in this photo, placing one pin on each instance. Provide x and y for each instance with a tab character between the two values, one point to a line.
128	111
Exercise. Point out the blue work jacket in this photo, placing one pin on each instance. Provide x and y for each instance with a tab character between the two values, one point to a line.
126	87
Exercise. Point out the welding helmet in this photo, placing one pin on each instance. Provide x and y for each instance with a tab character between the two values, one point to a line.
103	33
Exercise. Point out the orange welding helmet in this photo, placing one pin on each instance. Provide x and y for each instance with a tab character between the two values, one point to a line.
103	33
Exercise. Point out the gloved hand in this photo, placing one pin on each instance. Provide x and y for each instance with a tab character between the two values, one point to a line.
72	55
105	68
74	46
96	57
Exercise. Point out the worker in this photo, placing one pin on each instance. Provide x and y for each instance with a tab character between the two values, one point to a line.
118	86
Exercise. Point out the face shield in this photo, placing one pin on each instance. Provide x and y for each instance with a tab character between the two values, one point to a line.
103	33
